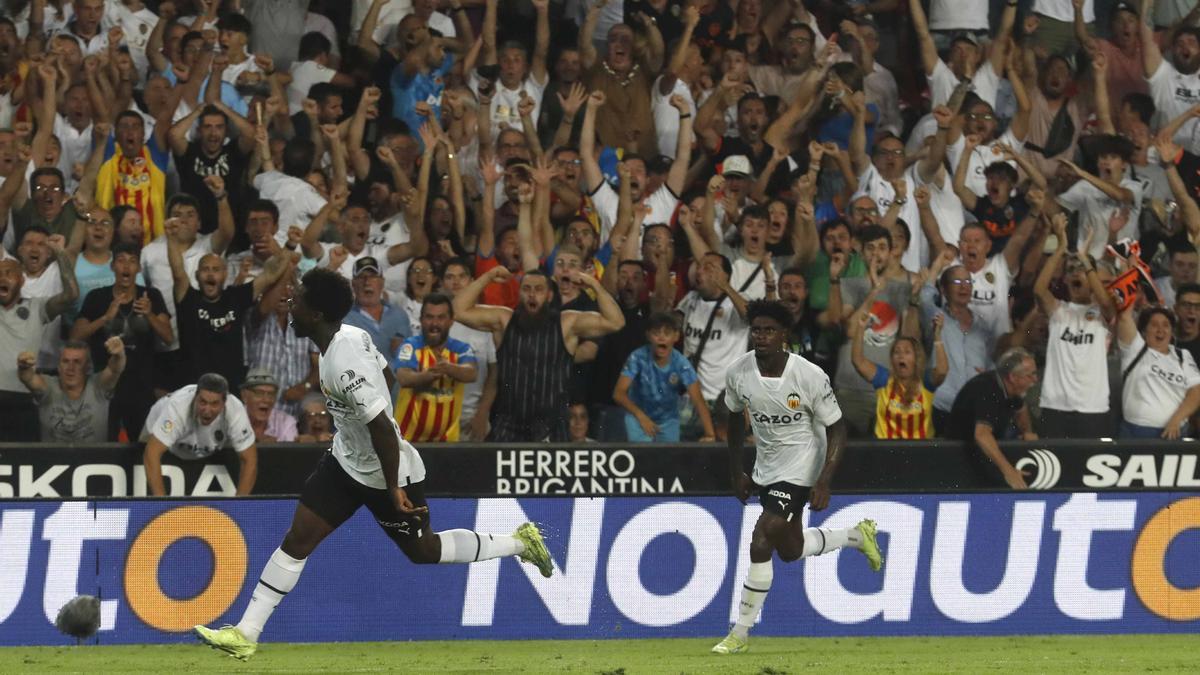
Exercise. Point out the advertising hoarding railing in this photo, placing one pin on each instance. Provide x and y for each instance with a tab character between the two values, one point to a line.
605	469
979	564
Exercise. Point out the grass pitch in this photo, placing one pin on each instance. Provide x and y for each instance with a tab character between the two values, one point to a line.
767	656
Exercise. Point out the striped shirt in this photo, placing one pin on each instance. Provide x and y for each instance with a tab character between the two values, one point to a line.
279	350
533	368
896	419
432	413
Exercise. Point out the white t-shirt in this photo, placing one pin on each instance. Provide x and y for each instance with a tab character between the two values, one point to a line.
389	15
172	420
505	101
1174	94
744	271
1063	10
942	82
1076	377
351	372
1157	384
156	270
234	71
304	75
298	202
871	183
958	15
605	200
947	210
728	340
76	147
788	414
484	346
387	234
47	285
347	267
981	157
989	294
666	117
1095	208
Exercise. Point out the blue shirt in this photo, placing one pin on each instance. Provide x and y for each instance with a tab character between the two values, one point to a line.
410	353
408	91
392	323
656	389
229	93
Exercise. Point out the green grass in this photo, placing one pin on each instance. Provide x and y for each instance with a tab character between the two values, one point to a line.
767	656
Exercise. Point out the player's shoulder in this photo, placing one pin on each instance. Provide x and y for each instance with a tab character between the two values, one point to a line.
742	364
806	371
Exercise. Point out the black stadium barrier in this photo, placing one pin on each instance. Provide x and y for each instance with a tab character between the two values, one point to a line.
477	470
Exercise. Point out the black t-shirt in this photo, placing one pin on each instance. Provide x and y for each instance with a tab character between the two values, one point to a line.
210	333
982	399
1192	346
614	351
194	166
133	329
1000	222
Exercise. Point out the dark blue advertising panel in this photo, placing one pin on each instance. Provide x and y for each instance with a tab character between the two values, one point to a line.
982	564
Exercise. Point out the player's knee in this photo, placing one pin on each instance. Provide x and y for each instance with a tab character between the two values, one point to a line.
787	555
298	545
425	552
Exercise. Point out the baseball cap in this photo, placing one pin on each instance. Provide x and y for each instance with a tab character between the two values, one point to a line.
258	377
1125	7
736	165
967	36
366	264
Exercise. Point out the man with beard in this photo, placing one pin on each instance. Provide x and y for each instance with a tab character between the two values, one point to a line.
260	390
211	154
211	319
752	124
536	353
23	322
624	79
1174	83
455	277
431	369
36	251
1056	118
978	118
261	225
138	315
135	170
197	422
73	408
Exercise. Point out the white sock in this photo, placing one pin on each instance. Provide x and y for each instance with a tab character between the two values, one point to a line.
819	540
278	578
754	593
465	546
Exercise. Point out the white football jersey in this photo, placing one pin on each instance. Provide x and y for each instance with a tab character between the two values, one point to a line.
789	415
351	371
172	420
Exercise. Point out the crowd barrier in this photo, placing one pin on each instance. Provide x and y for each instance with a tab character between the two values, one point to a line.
482	470
633	567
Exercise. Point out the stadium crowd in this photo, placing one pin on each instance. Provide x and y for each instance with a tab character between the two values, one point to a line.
554	215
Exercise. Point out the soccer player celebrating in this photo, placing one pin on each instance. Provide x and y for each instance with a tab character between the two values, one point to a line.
793	412
370	464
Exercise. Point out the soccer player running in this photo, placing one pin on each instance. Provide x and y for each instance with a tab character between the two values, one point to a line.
792	411
370	464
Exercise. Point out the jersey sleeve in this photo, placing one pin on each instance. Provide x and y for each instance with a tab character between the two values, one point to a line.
630	369
165	424
466	355
406	356
1191	373
354	388
824	405
733	393
881	377
687	374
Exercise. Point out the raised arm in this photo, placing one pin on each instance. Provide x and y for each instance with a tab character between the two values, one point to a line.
858	329
587	50
541	45
677	175
1000	42
590	163
482	317
309	243
1152	57
179	277
28	374
65	300
1189	212
1041	287
965	195
610	319
857	107
929	56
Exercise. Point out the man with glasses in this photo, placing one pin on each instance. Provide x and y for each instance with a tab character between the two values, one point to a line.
1187	310
47	205
260	391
